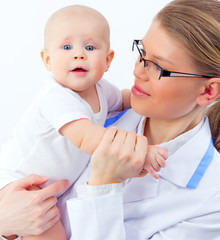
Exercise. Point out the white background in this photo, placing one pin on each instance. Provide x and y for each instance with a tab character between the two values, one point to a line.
21	39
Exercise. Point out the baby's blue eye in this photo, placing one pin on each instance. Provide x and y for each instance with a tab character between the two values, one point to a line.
67	47
90	48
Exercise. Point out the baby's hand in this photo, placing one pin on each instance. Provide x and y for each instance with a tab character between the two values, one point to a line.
155	160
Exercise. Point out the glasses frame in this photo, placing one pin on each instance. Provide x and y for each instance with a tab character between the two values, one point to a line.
164	72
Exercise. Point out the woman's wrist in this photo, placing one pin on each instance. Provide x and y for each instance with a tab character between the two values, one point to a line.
99	177
86	191
96	181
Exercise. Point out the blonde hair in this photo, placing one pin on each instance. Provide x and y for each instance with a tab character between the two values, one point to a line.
213	113
195	24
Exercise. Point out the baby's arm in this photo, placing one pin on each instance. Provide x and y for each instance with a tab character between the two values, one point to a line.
126	99
83	134
155	160
87	136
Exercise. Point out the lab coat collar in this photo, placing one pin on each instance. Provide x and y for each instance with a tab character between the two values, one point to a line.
188	164
189	154
127	119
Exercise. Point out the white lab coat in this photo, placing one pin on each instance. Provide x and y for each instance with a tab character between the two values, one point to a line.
183	204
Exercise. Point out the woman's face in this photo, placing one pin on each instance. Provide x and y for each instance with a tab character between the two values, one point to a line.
169	97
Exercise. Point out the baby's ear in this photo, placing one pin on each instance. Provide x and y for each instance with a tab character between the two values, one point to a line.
109	59
46	59
210	93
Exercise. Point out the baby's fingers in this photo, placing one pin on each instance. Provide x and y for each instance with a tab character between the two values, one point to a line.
160	162
153	173
163	153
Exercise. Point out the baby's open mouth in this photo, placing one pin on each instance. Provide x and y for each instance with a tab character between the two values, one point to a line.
79	69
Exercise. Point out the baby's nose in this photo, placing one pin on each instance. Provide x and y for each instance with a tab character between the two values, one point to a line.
79	55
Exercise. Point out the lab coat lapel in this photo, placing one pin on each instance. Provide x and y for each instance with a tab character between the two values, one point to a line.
159	214
182	164
147	188
128	120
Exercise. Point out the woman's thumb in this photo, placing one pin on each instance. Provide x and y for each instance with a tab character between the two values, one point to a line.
31	180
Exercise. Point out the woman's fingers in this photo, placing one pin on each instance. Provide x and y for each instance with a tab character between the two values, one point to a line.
120	155
119	139
53	189
141	145
30	180
29	212
108	137
50	216
48	204
130	141
35	180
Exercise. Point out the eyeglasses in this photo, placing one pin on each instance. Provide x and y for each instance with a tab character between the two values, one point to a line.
156	71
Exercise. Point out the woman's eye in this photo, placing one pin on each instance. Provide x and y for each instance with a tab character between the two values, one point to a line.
90	48
143	52
67	47
157	67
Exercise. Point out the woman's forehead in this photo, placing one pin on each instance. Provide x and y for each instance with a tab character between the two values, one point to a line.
159	45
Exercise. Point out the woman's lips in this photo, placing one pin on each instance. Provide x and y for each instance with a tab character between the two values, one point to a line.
138	92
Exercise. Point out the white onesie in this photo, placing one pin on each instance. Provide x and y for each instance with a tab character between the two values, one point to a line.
38	147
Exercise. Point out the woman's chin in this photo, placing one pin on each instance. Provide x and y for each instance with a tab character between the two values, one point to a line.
138	108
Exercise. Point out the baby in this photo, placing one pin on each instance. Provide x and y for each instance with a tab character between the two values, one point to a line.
65	123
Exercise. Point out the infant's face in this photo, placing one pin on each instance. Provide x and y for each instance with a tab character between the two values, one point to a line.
78	47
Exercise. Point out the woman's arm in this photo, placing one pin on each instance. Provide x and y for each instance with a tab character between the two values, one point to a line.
98	211
99	216
105	217
56	232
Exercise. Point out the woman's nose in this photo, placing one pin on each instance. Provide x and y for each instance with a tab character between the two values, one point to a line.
140	72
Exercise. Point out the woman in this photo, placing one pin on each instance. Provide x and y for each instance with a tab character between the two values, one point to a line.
177	75
184	202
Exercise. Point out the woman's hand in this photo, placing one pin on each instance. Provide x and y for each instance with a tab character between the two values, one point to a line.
25	212
119	156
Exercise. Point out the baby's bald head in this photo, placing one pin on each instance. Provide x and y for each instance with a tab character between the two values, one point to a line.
69	13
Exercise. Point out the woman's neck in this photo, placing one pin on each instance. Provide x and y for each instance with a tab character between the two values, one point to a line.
163	130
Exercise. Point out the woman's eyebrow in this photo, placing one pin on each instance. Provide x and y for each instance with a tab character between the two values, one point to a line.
160	58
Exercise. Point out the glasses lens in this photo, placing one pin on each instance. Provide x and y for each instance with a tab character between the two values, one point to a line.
154	70
151	68
136	53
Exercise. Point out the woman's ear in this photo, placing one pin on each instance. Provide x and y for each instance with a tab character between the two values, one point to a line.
109	59
46	59
210	93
